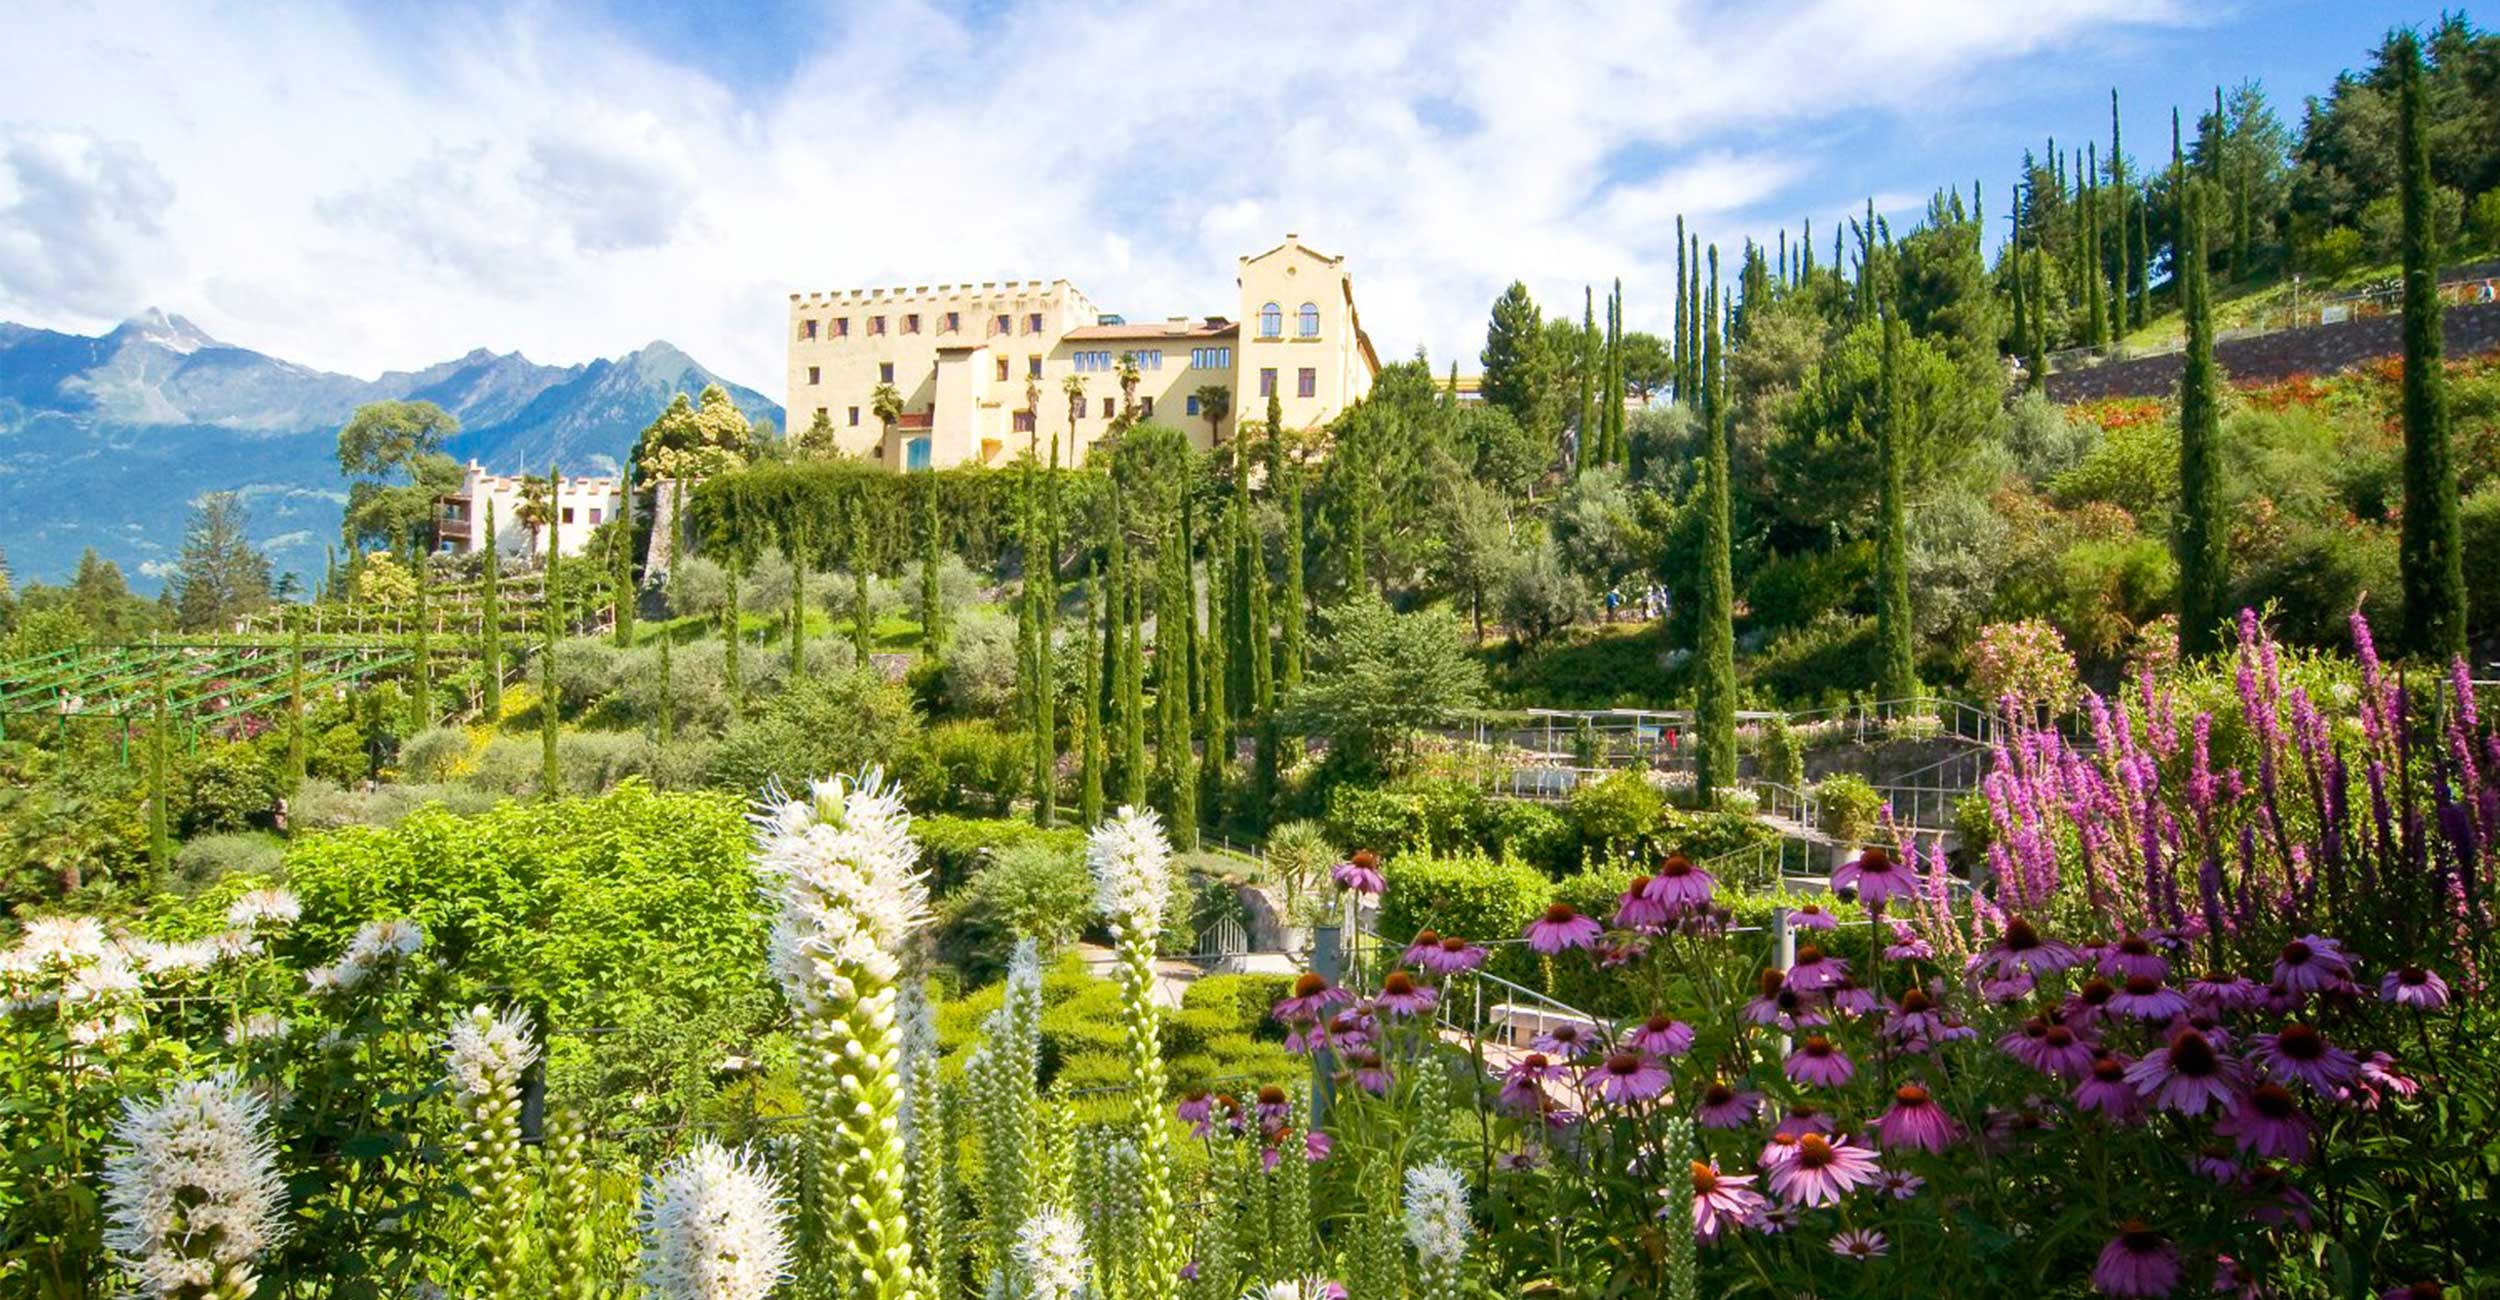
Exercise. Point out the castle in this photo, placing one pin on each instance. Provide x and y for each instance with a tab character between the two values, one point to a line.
983	370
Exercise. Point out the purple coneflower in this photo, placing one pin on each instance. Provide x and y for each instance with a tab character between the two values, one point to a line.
2301	1053
1845	996
1817	1063
1802	1118
1858	1244
2105	1089
1906	945
1626	1077
1426	941
1876	876
2415	1291
1196	1105
1914	1018
2414	986
1815	970
2377	1077
2147	998
1523	1085
1312	999
2269	1123
1316	1146
1900	1186
1916	1121
1562	928
2090	1001
1360	874
1273	1106
2225	990
2311	964
1724	1106
2216	1164
1720	1201
2137	1262
1775	1003
1636	910
2132	956
1823	1170
2020	950
1401	996
2187	1076
1451	956
1813	917
1567	1040
1679	884
1661	1035
1370	1075
2049	1047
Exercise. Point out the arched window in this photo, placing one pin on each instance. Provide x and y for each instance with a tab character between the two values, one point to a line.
1310	320
1271	321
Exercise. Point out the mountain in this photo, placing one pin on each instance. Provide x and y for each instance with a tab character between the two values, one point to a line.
106	440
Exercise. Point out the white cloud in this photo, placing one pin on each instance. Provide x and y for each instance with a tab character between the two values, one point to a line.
364	197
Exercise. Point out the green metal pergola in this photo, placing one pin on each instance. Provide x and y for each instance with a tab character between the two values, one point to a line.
197	684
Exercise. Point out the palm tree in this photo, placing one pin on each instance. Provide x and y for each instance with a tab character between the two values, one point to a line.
1033	411
535	508
1128	392
1074	387
1215	401
887	403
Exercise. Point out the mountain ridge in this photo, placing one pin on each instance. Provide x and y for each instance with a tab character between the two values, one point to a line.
106	439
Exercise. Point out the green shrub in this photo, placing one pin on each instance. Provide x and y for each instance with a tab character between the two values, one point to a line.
1469	895
1242	1000
588	670
1530	832
1618	812
1415	814
1299	855
1033	889
1803	665
1849	806
204	860
953	849
1783	754
1974	826
977	765
434	754
1706	834
826	725
232	787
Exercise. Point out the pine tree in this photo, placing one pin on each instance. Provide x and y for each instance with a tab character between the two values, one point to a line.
490	625
1584	433
623	558
2430	548
1892	555
1518	376
2203	572
551	604
1716	688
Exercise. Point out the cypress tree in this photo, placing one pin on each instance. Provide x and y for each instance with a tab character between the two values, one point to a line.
1111	675
624	559
863	627
2129	312
1192	661
2430	547
295	749
1133	694
1716	688
1250	582
160	788
2020	342
422	697
1675	347
1892	555
733	681
2203	576
794	624
932	608
1805	253
1089	706
1294	600
550	774
2091	256
1612	416
668	692
1357	574
490	625
2178	213
2038	362
1174	768
1214	710
1588	366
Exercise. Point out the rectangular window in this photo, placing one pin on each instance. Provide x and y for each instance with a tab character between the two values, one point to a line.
911	322
1146	408
807	329
1106	408
1267	381
998	323
1308	383
885	372
1193	404
568	514
1033	323
876	324
815	375
842	327
915	453
1002	370
1024	422
954	321
1210	358
1150	359
854	415
594	516
1033	365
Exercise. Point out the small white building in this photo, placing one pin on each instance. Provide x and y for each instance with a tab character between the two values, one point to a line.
581	505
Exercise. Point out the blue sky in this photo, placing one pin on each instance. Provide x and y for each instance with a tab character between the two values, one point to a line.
364	186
